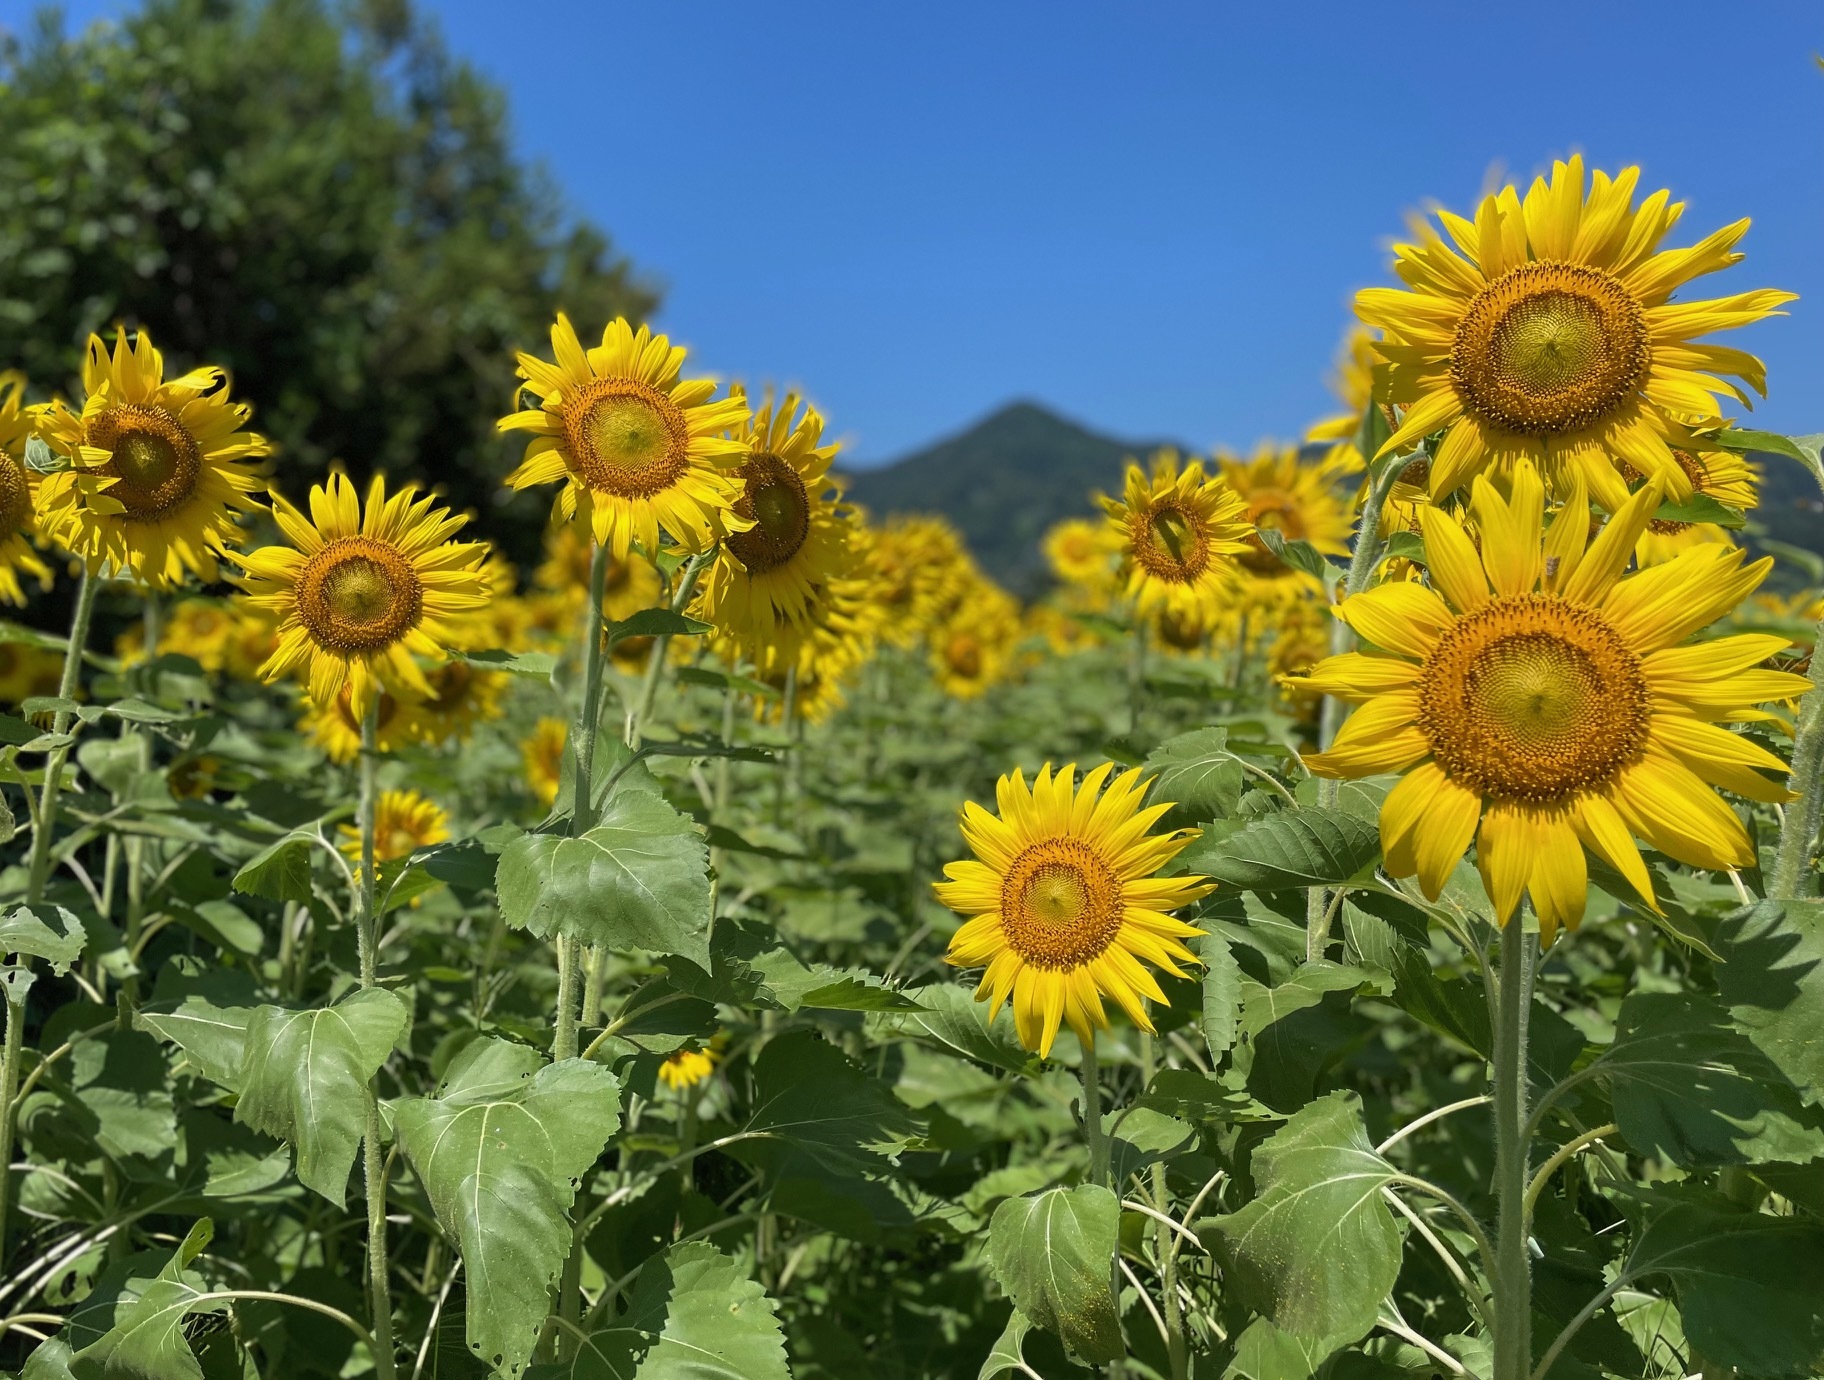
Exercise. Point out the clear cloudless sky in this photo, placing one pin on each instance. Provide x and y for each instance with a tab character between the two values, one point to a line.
1148	216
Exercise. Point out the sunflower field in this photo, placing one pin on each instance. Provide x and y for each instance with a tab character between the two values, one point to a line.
1362	923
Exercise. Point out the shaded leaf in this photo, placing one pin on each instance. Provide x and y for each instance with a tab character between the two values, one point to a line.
280	871
1052	1253
1772	978
48	932
808	1093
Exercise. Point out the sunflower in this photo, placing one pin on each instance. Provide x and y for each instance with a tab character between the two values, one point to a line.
629	584
1083	552
1551	336
1299	501
158	473
1353	385
360	594
799	537
193	777
1540	704
1064	901
640	450
253	638
921	571
28	672
404	822
461	697
543	755
974	648
18	495
1060	630
335	730
689	1067
1180	532
197	628
1727	477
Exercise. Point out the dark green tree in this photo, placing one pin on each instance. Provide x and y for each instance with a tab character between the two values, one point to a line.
319	198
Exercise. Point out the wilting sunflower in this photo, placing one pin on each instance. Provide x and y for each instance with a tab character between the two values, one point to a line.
543	755
1181	533
1540	704
1299	501
799	538
1548	334
1083	553
1353	384
1720	474
639	449
18	495
336	729
158	472
404	822
361	594
689	1067
1065	902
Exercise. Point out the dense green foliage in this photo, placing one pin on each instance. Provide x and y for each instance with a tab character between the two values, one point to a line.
326	205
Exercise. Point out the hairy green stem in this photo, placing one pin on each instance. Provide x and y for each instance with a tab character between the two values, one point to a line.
563	1039
1790	877
9	1092
137	845
1512	1272
39	870
1136	676
589	713
1092	1115
1177	1354
655	666
380	1300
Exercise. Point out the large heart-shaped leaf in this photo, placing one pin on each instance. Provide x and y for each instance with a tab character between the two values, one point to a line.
638	880
1317	1249
500	1150
1053	1253
304	1077
807	1093
1772	978
1198	773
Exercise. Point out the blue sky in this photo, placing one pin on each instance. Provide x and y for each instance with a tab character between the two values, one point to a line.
1150	217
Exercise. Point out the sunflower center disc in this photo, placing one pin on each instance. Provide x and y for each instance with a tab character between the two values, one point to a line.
153	460
358	595
450	684
1060	904
777	501
1172	547
627	438
1549	348
964	655
15	496
1532	698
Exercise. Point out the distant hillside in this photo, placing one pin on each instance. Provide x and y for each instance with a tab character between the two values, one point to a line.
1003	482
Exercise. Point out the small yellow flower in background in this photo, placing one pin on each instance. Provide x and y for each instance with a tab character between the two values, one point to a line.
336	730
404	821
689	1067
361	594
920	572
543	754
629	584
1065	903
1353	385
200	629
158	474
1083	552
1182	532
1299	501
1548	333
193	777
28	672
974	648
640	450
1538	703
18	495
1720	474
461	697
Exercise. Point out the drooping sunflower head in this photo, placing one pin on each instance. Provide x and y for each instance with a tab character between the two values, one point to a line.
358	594
1544	330
543	756
404	822
159	470
1298	500
19	498
1729	478
800	532
1539	703
1083	553
1065	903
1181	534
640	450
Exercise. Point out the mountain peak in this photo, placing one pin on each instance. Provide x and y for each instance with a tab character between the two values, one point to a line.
1003	481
